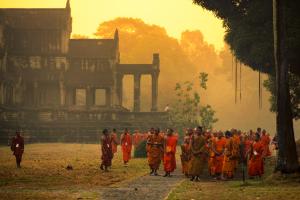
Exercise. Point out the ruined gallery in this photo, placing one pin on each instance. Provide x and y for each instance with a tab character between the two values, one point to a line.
50	84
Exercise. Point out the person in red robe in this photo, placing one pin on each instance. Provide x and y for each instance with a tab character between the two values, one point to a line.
265	139
255	164
229	161
218	148
107	152
115	141
17	146
126	143
169	153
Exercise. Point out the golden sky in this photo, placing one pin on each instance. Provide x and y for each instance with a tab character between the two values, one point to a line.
175	17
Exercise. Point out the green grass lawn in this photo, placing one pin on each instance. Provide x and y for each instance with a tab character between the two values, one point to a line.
44	176
270	187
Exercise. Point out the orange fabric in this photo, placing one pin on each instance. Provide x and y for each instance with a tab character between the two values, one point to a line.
228	162
185	158
155	151
114	142
247	148
169	153
265	139
236	150
256	165
126	142
211	160
219	147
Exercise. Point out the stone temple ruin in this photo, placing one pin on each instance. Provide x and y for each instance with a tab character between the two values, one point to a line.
43	72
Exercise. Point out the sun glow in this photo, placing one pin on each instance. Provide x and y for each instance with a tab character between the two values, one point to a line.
174	17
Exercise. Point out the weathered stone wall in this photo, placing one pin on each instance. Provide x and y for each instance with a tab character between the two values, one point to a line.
49	125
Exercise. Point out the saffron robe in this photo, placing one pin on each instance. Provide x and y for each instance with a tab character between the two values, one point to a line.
126	143
256	165
198	155
169	153
185	155
114	142
265	139
155	151
218	148
229	159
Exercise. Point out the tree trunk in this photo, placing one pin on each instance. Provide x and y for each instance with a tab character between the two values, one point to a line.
287	155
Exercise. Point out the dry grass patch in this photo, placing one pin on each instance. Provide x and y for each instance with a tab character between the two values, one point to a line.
44	174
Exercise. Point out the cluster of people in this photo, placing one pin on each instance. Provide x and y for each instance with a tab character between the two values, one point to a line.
219	152
223	152
160	146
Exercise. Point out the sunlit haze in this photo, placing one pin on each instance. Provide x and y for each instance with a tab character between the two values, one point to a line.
175	17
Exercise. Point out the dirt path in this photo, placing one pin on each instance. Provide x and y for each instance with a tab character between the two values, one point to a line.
144	188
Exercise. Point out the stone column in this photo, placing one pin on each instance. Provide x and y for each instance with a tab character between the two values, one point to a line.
1	93
108	97
62	93
119	89
137	93
70	96
36	94
154	91
89	96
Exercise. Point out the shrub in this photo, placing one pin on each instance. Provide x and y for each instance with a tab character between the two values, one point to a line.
140	150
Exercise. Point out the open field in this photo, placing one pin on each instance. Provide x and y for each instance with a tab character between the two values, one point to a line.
44	176
234	190
269	187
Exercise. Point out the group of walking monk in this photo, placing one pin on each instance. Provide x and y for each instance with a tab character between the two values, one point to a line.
159	146
222	153
219	152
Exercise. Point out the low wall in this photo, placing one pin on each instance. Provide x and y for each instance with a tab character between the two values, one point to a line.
73	125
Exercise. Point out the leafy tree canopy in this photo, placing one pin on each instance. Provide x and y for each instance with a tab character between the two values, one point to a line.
249	31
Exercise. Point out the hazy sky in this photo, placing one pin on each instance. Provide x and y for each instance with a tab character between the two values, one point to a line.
175	17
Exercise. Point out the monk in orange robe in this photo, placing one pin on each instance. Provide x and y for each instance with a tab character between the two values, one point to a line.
265	139
186	152
211	160
198	154
155	150
228	162
115	141
256	165
247	145
236	147
126	143
218	149
169	153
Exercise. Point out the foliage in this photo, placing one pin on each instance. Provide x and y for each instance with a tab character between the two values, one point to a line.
187	111
249	31
79	36
140	150
294	81
207	116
